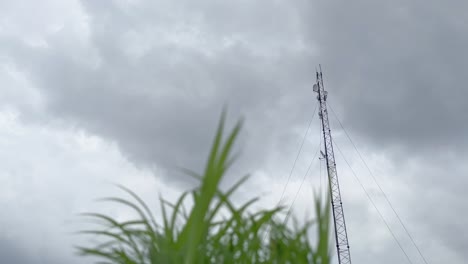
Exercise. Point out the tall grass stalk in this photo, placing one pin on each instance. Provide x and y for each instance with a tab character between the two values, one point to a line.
214	231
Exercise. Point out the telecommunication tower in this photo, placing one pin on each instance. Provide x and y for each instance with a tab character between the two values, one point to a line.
341	236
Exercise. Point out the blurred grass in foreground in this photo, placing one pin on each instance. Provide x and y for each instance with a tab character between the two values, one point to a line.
214	231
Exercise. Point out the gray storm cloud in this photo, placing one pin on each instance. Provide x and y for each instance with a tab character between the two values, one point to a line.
153	76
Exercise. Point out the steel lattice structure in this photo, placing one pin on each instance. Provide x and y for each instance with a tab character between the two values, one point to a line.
341	236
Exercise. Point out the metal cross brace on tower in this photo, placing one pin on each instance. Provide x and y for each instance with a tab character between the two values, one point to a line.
341	236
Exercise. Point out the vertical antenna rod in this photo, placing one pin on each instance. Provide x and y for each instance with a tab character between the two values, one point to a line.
341	237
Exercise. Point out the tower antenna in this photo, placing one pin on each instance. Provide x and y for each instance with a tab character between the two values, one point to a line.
341	236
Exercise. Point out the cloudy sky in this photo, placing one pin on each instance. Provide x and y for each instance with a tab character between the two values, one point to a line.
101	92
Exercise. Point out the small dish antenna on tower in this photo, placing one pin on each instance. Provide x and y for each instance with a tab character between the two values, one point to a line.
315	88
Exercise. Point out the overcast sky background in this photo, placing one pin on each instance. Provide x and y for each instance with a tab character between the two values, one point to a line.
100	92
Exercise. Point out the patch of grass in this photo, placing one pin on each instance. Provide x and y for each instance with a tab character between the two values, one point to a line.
214	231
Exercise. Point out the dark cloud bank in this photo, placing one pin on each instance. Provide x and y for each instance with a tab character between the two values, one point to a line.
154	76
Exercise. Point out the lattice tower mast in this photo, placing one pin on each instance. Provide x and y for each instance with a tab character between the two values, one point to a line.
341	236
